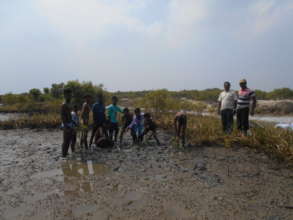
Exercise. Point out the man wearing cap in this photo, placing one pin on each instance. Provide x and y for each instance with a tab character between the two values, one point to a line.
245	97
227	106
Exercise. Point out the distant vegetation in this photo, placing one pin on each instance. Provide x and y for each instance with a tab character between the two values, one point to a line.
211	95
50	99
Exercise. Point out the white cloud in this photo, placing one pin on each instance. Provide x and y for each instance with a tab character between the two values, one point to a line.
80	21
267	13
184	16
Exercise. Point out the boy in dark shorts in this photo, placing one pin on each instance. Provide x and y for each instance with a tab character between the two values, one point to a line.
150	126
99	118
67	123
180	124
126	120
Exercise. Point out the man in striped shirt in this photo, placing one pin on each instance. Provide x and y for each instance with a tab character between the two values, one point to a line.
244	107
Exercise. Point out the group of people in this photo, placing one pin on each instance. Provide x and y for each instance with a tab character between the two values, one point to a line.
105	128
241	103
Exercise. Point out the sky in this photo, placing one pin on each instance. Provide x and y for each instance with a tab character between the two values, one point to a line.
146	44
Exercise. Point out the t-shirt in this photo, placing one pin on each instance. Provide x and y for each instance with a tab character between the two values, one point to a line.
99	113
244	98
112	112
227	99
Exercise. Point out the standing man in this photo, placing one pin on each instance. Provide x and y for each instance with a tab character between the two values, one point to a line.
99	117
67	123
85	116
227	106
113	110
245	97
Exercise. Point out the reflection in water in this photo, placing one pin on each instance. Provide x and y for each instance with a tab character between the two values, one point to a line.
76	176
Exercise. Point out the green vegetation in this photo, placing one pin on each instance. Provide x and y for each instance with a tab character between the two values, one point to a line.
161	101
36	101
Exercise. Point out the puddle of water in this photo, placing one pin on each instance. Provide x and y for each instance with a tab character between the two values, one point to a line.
274	119
76	175
81	169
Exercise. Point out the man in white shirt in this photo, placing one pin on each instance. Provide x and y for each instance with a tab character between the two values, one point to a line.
226	108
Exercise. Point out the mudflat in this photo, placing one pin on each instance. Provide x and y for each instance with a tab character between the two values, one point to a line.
146	182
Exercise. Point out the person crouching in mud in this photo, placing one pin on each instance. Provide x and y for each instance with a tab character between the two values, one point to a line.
136	127
126	121
150	126
67	123
180	124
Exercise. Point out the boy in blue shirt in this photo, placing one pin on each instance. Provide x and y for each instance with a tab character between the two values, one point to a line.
113	111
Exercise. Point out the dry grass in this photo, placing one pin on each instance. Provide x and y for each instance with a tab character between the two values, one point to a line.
206	130
35	121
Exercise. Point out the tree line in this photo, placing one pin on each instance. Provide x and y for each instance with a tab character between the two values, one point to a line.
55	93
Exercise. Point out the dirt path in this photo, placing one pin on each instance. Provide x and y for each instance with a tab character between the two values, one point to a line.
138	183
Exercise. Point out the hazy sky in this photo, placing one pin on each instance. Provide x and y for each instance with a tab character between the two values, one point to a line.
146	44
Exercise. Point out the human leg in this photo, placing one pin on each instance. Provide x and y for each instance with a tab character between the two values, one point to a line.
66	141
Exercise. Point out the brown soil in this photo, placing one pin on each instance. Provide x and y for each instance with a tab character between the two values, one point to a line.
146	182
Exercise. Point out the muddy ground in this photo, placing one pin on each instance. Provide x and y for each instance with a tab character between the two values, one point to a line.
146	182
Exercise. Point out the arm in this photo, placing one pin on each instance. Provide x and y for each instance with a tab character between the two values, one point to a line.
63	117
219	103
65	120
175	125
219	107
120	109
235	102
253	105
108	109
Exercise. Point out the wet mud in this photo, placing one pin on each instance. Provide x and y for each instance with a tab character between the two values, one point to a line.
138	182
